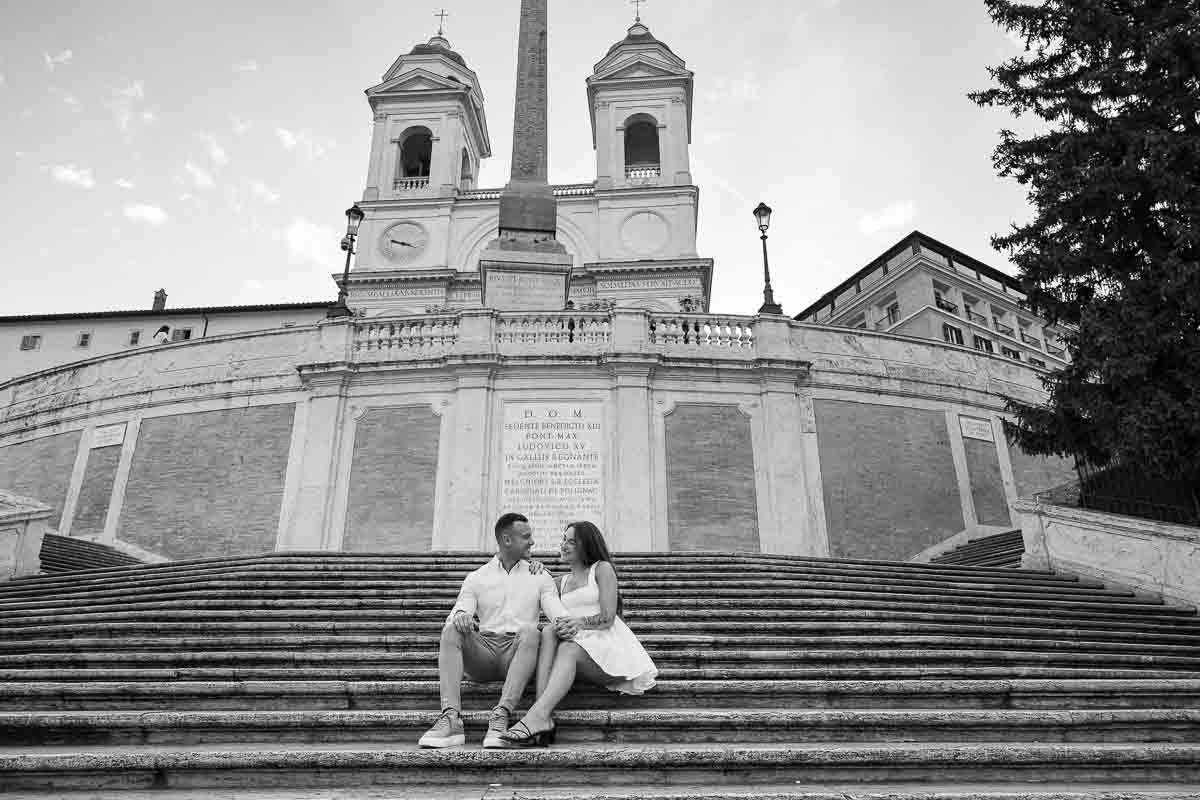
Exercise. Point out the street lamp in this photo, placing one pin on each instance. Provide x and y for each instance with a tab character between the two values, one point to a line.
354	217
763	215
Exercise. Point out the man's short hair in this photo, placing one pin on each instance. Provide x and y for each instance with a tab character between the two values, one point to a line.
506	521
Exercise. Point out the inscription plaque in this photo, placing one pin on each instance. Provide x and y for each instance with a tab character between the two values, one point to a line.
108	436
512	290
974	428
553	465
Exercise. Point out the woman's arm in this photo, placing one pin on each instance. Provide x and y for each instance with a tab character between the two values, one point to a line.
606	581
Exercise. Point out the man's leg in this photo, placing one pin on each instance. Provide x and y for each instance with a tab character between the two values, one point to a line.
447	731
522	659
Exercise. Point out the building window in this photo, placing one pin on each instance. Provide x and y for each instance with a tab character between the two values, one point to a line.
891	316
952	334
642	158
181	334
1037	362
135	338
1015	355
984	344
31	342
84	339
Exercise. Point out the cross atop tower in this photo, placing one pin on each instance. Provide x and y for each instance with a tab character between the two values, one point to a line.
637	9
441	15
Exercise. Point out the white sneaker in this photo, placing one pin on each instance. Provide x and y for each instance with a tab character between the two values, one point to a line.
497	724
446	732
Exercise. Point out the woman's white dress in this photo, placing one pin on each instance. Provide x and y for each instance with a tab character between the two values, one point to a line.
615	649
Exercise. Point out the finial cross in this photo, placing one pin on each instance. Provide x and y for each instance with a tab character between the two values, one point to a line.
441	15
637	9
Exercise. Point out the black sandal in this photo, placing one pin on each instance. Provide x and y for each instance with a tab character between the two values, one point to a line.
519	735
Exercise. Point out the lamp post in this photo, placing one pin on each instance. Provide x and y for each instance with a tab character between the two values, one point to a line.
354	217
763	214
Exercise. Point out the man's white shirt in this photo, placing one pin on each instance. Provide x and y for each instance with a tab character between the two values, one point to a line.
504	601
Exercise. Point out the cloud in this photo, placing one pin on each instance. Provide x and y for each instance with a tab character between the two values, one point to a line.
252	284
215	151
312	242
123	183
68	99
897	215
302	142
239	125
152	215
743	87
249	65
3	80
61	59
123	104
264	192
200	176
73	175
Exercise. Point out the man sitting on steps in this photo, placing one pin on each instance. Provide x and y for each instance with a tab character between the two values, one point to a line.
492	633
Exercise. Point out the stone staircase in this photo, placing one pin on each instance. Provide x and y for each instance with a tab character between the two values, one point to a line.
67	554
311	676
999	550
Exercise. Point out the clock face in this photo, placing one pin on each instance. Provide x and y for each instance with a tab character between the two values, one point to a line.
403	242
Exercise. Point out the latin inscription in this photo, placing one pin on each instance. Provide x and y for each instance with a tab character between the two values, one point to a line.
509	290
412	291
553	465
652	283
973	428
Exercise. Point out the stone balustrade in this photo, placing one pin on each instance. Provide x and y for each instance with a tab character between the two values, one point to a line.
410	337
553	331
703	332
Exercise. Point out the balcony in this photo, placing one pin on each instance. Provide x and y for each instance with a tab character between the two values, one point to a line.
946	305
1057	352
410	184
643	173
893	316
974	317
1027	339
1002	328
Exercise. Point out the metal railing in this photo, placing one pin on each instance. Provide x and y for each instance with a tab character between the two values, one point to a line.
946	305
893	316
1027	339
1002	328
1123	488
1057	352
975	317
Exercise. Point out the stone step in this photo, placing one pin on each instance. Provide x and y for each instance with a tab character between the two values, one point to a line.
334	621
313	766
419	649
926	693
651	726
865	669
927	790
667	587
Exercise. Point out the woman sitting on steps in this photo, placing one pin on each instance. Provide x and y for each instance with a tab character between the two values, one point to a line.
593	642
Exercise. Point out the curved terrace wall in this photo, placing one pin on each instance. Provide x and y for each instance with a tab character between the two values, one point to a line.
673	431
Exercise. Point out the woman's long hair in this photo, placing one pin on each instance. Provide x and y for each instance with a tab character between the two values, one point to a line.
590	545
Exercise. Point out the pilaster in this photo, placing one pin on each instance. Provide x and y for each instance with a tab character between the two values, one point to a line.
311	479
116	501
958	452
465	520
789	526
631	499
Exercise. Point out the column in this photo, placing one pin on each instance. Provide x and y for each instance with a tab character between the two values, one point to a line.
630	492
958	452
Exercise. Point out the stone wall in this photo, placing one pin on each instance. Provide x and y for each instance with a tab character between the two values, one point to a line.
889	482
1033	474
208	484
41	469
393	480
712	501
95	493
987	483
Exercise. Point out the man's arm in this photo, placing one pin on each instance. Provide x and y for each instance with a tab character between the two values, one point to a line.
468	600
552	606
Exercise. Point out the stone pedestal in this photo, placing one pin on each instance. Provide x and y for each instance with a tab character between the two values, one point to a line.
521	274
23	524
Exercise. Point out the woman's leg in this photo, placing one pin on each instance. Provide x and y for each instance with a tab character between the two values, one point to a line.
569	661
546	655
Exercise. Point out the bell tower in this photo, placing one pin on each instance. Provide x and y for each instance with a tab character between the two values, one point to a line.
640	96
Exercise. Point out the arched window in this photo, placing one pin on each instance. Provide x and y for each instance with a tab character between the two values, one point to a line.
416	156
642	158
466	178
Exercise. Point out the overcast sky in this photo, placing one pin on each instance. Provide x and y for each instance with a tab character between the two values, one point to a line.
211	148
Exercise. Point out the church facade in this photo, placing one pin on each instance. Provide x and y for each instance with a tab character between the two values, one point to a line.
414	421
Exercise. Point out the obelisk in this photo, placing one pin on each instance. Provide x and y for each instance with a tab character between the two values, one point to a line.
526	267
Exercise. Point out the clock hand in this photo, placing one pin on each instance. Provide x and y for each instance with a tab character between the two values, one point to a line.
403	244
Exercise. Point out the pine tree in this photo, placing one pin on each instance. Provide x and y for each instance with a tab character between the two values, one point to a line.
1113	250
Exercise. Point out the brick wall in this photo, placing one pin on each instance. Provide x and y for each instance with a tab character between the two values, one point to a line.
1034	474
712	503
393	481
96	491
987	485
889	482
208	484
41	469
